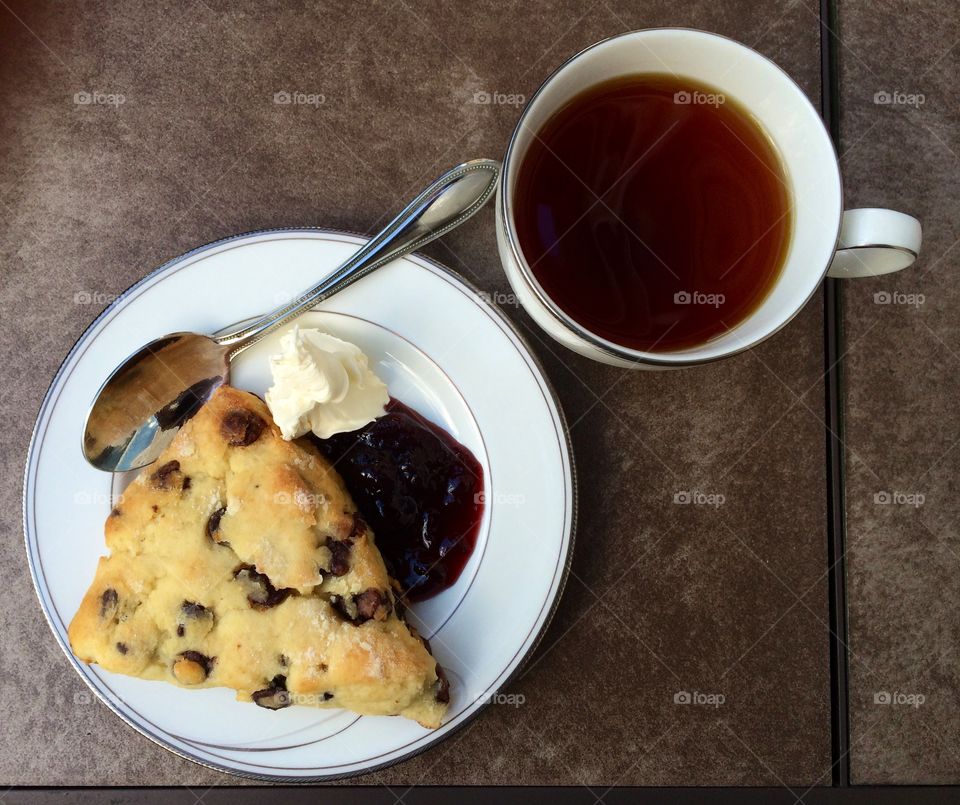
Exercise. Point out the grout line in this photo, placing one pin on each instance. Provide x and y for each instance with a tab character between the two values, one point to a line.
836	525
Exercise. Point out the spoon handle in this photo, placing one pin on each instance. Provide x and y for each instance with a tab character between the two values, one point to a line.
443	205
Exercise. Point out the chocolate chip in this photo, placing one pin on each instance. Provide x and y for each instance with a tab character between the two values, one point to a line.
213	524
122	648
108	601
241	427
339	556
186	483
327	695
165	477
442	694
194	610
180	630
202	660
274	697
155	508
192	667
284	661
261	594
371	604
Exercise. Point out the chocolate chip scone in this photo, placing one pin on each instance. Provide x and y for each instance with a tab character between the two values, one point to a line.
239	560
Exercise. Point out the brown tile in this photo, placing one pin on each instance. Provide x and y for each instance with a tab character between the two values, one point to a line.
901	375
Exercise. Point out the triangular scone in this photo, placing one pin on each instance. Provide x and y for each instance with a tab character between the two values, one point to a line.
238	560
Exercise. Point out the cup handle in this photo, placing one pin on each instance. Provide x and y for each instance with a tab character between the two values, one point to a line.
875	241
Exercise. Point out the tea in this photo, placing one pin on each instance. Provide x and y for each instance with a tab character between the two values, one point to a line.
654	211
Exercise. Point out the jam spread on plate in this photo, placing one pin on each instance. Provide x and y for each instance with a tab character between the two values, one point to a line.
421	492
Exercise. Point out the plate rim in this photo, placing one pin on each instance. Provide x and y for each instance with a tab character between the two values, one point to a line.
566	559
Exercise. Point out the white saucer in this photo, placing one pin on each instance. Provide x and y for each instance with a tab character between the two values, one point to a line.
441	349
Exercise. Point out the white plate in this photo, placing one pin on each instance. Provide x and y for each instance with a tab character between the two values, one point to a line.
441	349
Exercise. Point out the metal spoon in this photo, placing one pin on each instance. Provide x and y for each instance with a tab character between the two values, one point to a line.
142	405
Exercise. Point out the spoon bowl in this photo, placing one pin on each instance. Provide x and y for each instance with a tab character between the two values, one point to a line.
142	405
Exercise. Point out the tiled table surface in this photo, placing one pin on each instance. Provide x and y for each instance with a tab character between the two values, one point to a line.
902	378
662	597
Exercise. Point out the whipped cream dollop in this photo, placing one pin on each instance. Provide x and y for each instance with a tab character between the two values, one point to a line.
322	384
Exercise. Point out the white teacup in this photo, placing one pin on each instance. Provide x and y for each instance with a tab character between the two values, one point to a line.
825	241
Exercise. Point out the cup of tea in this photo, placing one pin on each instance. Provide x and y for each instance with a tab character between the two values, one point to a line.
670	197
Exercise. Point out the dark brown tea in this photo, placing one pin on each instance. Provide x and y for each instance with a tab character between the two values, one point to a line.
654	211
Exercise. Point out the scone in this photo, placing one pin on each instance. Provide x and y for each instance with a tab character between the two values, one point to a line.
238	559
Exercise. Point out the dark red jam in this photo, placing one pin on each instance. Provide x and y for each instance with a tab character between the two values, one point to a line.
420	490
